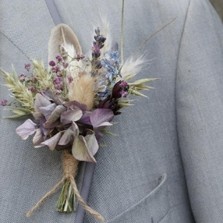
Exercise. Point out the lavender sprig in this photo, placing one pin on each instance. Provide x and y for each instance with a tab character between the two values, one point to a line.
98	44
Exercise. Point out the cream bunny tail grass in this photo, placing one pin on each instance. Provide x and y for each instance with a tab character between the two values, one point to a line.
132	66
82	90
70	167
63	39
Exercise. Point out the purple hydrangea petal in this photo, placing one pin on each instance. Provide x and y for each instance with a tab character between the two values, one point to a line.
26	129
67	137
71	116
52	142
85	119
100	115
92	143
41	101
75	128
73	104
105	124
47	110
54	116
81	151
38	137
50	126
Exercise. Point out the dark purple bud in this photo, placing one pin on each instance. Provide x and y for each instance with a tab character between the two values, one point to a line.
70	79
56	69
32	89
27	67
79	57
59	58
58	83
120	89
95	37
57	80
59	86
101	39
52	63
65	65
101	46
96	50
33	79
22	77
3	102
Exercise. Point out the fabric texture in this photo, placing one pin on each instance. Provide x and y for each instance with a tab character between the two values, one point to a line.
164	165
199	111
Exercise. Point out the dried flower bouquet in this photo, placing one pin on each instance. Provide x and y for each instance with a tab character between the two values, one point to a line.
72	102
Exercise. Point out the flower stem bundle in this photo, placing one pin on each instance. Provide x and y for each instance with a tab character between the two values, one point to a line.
69	191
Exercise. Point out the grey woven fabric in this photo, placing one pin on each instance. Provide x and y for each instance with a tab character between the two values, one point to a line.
164	165
199	110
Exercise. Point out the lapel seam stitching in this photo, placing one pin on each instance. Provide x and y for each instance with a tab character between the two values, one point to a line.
162	180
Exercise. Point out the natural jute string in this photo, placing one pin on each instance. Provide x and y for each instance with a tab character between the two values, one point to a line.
70	167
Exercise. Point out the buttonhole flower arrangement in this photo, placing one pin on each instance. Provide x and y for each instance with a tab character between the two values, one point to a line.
70	103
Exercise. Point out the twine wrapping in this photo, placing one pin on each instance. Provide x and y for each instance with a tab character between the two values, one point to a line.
70	167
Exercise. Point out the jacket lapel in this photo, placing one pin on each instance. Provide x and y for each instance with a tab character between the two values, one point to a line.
200	109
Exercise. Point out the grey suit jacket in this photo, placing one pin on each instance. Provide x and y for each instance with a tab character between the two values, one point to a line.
165	164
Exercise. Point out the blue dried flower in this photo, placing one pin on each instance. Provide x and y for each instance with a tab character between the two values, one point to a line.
111	64
103	94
